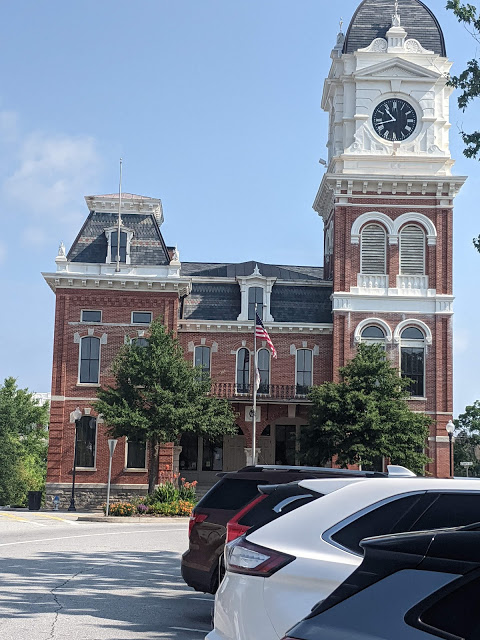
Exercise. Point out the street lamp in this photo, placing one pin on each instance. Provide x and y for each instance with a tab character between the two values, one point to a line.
450	427
77	414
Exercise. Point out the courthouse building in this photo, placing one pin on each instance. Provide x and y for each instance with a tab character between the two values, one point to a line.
386	203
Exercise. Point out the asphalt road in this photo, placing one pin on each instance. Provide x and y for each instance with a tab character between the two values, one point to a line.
62	579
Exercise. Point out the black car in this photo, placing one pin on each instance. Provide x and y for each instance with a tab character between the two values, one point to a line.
201	563
411	586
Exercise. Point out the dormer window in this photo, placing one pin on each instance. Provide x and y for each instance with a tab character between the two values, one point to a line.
256	289
126	236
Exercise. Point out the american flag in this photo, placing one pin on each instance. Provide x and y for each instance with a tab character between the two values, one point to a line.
262	333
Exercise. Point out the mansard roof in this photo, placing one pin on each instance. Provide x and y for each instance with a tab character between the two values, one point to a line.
373	18
147	245
240	269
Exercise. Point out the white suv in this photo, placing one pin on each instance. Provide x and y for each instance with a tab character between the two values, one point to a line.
277	573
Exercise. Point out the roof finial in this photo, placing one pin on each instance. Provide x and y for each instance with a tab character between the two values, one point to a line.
396	16
340	24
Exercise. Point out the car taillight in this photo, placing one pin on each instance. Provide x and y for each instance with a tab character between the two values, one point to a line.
235	530
253	560
195	518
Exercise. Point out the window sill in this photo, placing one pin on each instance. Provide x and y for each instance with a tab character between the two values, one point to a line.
88	384
85	469
421	398
135	470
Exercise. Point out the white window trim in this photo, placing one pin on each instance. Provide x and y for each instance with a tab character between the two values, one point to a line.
369	322
130	469
393	226
236	369
91	321
89	384
108	232
255	280
94	468
412	323
296	368
144	324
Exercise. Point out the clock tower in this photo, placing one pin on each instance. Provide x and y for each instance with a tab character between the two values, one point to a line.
386	200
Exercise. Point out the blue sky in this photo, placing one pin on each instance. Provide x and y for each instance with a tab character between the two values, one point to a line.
214	106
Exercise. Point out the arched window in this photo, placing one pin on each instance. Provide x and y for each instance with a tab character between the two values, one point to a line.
373	335
373	250
202	360
255	297
89	360
413	359
243	371
86	433
264	370
304	371
412	250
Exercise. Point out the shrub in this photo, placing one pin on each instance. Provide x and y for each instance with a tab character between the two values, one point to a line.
187	490
142	508
165	492
120	509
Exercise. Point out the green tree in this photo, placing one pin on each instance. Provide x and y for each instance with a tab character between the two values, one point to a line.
158	396
23	443
467	440
365	417
469	79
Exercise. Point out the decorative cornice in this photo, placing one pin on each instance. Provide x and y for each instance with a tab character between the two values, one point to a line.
233	326
120	282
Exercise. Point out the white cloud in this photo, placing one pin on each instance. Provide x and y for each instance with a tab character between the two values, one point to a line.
52	171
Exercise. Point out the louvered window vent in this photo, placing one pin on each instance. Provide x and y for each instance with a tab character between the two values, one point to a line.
373	254
412	250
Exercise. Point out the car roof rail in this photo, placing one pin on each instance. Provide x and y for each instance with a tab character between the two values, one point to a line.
397	471
330	471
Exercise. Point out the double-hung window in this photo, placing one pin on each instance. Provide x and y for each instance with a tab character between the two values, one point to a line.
89	360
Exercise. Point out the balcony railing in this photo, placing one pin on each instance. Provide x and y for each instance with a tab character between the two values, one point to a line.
419	283
265	391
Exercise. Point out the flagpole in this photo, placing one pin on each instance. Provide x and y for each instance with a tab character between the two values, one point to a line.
254	377
119	222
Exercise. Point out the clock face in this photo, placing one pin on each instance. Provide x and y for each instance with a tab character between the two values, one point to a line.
394	120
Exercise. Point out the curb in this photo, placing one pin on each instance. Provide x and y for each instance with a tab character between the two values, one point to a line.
132	519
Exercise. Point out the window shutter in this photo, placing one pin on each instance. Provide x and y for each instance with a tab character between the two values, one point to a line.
373	249
412	250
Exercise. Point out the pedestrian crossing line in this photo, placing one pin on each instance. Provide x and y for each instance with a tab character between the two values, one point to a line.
19	519
44	515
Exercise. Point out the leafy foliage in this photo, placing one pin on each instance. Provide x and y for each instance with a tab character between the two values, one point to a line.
365	417
159	395
467	441
469	80
23	443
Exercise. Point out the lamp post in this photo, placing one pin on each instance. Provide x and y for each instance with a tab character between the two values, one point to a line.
450	427
111	446
77	414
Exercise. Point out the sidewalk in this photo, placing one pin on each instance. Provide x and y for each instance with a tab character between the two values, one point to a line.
94	516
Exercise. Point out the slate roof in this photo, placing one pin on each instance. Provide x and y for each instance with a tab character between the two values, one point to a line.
232	270
147	246
373	19
211	301
301	304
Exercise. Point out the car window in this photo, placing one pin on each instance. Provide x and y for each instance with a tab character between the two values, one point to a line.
450	510
275	505
380	521
230	494
457	612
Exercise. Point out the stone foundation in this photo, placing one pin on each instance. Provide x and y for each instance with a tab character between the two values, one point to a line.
91	496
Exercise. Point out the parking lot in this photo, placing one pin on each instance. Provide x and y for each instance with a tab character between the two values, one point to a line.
96	581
